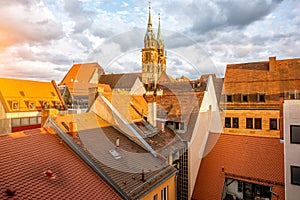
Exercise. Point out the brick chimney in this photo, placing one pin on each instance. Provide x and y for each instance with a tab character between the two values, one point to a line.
73	129
272	64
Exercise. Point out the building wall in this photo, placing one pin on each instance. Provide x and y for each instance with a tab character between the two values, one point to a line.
5	123
170	183
291	151
265	115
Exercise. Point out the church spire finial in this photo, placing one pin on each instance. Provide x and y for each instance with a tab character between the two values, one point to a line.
149	17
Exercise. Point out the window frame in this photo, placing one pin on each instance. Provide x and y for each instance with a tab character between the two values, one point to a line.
242	98
233	124
260	126
164	193
13	107
292	175
291	134
231	98
227	118
247	123
259	99
273	119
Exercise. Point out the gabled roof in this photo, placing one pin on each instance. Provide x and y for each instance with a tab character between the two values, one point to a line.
120	81
164	77
81	77
36	165
252	159
29	95
125	167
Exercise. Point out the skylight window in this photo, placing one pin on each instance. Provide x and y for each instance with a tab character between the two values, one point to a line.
115	154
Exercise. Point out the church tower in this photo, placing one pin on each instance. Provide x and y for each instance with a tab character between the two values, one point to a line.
153	54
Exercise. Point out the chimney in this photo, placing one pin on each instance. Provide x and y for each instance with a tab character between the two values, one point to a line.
47	113
117	142
152	113
73	129
272	64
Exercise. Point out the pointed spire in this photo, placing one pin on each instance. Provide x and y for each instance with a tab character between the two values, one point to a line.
159	39
149	17
158	31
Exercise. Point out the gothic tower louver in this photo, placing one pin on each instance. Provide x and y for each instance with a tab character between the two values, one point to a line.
153	54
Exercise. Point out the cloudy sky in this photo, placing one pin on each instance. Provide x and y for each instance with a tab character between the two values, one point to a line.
41	39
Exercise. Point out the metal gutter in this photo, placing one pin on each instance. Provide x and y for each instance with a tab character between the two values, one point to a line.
159	183
70	142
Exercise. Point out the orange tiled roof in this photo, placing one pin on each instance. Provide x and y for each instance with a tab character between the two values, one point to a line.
27	161
25	93
81	77
120	81
252	159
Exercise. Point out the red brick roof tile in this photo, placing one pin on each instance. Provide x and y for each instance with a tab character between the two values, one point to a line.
252	159
38	166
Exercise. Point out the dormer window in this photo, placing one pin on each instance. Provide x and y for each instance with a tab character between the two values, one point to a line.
31	105
15	105
229	98
261	97
45	105
245	98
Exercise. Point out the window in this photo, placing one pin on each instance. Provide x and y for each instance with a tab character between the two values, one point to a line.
164	193
33	120
227	122
261	97
257	123
229	98
179	125
15	105
295	175
245	98
31	105
240	186
235	122
155	197
273	124
249	122
295	134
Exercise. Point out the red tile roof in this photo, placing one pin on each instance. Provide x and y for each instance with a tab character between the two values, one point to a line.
38	166
252	159
81	77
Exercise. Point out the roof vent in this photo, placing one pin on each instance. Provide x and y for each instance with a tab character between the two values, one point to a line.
10	191
143	176
115	154
49	173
